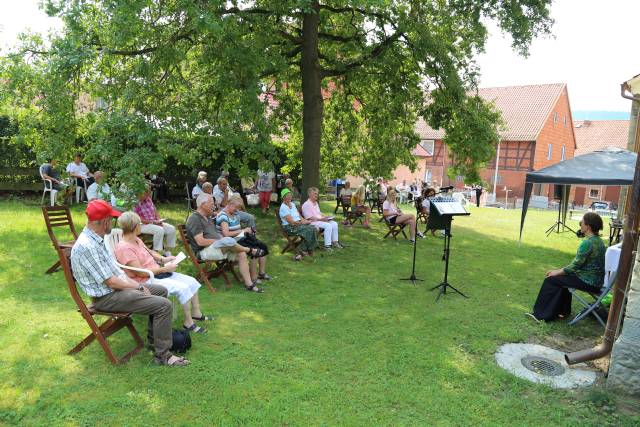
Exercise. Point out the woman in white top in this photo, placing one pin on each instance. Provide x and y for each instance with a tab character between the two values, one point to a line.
394	215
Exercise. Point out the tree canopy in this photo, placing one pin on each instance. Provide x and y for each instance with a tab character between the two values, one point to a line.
337	85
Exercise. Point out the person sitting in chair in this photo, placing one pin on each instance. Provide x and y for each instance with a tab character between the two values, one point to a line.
223	193
152	224
311	211
48	171
200	181
228	225
80	172
358	204
393	215
586	272
132	252
100	190
294	224
111	291
426	204
207	244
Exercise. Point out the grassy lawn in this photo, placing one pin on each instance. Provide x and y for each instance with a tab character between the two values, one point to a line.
338	340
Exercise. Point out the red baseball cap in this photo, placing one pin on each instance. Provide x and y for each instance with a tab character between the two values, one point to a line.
99	209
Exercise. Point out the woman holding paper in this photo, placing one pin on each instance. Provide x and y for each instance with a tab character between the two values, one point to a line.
311	212
132	252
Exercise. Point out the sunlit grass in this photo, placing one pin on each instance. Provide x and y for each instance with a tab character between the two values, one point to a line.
337	340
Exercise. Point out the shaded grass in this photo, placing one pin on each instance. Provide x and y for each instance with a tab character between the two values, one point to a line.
334	340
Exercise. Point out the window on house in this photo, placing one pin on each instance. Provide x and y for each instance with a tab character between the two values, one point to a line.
427	176
565	120
549	151
555	117
428	145
564	152
498	181
594	193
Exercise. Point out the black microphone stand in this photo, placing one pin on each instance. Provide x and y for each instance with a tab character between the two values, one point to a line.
413	277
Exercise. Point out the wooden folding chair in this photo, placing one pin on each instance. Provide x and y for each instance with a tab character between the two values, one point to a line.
293	241
113	324
209	268
394	229
191	202
56	217
350	215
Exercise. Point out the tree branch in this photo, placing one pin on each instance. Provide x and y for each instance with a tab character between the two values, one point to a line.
355	10
375	52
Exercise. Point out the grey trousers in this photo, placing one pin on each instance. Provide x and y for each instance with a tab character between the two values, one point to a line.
156	305
246	218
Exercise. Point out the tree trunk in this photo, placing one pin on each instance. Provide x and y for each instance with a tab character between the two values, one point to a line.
312	100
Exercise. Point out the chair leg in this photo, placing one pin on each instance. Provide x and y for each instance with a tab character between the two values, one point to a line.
44	193
53	268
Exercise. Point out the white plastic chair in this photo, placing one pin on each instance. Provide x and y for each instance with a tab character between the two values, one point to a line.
80	189
48	188
111	240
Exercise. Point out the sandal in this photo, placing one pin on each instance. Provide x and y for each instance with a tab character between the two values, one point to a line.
172	361
203	318
256	253
264	276
254	288
194	328
298	257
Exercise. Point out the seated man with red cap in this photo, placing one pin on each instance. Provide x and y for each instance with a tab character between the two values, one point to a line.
112	291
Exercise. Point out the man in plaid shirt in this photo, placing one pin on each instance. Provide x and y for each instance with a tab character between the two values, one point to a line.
111	291
152	224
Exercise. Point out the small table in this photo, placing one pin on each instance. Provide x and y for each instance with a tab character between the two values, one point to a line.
615	228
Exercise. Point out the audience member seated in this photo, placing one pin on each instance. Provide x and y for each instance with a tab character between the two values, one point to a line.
586	272
265	186
294	224
426	204
200	181
154	225
207	188
159	185
382	188
228	225
346	191
78	170
112	291
358	204
132	252
402	190
207	244
295	193
100	190
49	171
311	212
394	215
223	193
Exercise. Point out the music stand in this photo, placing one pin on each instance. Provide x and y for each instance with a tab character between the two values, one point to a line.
556	226
441	213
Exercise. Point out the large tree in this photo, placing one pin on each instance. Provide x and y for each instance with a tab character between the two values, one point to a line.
345	80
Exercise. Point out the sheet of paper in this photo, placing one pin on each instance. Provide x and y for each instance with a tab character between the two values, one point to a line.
179	258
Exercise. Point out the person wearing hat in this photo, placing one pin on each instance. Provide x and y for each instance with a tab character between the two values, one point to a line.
112	291
294	224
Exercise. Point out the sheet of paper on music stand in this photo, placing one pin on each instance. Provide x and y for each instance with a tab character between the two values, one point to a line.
450	208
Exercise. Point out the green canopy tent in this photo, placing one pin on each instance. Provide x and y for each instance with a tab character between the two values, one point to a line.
611	166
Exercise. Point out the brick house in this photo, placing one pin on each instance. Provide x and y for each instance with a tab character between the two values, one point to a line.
592	136
538	132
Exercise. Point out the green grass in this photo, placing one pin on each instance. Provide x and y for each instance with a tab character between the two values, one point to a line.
339	340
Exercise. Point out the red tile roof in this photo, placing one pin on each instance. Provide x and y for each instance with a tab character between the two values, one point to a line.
592	135
524	110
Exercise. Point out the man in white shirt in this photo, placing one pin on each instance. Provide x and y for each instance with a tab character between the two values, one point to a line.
80	172
100	190
403	191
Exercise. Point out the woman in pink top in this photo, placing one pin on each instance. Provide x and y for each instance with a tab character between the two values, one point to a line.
132	252
311	211
393	215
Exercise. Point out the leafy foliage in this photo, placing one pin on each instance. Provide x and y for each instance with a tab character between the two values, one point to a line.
233	82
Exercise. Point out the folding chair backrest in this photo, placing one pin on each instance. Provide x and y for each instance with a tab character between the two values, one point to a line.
111	240
346	201
57	217
187	245
65	257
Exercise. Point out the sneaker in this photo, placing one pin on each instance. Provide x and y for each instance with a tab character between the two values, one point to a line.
328	248
264	276
419	234
338	245
412	241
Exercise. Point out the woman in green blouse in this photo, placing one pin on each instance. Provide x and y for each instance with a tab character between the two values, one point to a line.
586	272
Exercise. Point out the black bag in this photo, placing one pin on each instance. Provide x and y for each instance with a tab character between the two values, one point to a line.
164	275
250	241
181	341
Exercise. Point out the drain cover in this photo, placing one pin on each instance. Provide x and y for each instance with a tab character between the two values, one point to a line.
542	366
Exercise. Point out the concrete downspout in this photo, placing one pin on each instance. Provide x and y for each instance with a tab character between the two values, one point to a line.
629	244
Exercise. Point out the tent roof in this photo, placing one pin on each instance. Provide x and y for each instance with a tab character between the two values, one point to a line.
606	167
